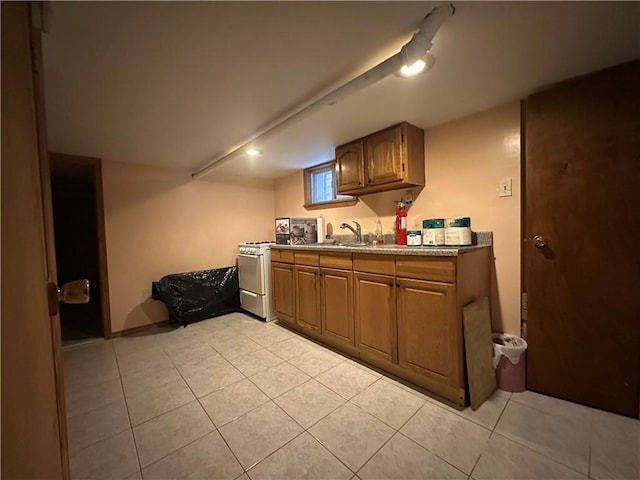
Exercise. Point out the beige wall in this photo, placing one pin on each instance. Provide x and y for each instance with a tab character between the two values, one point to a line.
161	221
465	160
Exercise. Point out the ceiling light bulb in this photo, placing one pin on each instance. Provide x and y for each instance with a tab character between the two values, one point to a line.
413	69
418	66
253	152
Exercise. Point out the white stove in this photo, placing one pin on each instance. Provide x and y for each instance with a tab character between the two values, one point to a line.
254	247
254	274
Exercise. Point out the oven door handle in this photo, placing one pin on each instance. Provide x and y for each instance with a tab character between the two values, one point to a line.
251	294
247	255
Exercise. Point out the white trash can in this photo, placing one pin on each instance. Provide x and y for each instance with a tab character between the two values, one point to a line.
510	360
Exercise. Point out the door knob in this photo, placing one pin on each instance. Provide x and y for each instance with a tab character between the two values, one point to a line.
539	241
77	291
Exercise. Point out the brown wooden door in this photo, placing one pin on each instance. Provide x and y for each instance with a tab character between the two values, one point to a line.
308	296
337	305
426	328
583	198
284	296
34	442
375	315
384	156
350	166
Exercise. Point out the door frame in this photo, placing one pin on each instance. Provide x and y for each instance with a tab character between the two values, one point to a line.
34	434
37	20
96	167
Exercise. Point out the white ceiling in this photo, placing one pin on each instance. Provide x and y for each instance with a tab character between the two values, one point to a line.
178	84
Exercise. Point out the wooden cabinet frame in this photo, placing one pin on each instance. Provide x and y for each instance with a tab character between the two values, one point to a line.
389	159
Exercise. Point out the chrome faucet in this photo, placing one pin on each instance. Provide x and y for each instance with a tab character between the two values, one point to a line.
357	231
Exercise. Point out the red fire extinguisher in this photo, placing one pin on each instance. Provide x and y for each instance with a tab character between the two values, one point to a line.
401	224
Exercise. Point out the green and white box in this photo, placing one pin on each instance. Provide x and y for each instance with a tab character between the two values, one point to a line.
457	231
433	232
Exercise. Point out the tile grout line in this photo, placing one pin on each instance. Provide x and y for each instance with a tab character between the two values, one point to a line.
504	409
542	453
492	432
275	451
554	460
196	399
374	415
95	408
430	400
304	430
245	471
395	431
270	399
286	391
135	443
239	334
346	400
317	421
235	418
434	454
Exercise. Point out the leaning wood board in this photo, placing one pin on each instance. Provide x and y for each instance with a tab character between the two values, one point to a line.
479	351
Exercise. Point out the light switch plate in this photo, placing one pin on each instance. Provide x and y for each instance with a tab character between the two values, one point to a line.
504	190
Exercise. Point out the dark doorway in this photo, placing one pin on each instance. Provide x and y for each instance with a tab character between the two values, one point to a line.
76	188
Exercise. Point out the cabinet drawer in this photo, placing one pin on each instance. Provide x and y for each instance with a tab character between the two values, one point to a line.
306	258
282	255
336	260
436	269
374	263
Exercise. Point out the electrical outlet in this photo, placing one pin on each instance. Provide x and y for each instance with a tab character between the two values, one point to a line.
504	190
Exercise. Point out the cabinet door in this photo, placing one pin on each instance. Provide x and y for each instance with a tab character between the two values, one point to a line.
375	315
427	333
384	156
283	291
337	305
308	295
350	166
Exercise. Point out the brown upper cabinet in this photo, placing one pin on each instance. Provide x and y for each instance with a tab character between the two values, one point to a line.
390	159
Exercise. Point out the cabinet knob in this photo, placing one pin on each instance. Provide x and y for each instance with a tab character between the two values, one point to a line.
369	180
391	284
359	183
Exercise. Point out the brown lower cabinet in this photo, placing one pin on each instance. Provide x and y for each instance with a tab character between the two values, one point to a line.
283	290
400	313
427	334
375	311
336	304
308	298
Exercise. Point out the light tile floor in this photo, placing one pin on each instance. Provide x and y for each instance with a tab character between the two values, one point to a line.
234	398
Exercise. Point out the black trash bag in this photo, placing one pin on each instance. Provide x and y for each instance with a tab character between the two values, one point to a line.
194	296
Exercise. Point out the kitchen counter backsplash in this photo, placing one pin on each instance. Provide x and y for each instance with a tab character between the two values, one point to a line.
477	238
480	240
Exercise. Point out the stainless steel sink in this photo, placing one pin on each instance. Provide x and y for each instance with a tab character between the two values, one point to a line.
362	244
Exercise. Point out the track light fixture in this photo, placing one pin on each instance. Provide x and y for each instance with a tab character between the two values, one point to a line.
414	54
413	58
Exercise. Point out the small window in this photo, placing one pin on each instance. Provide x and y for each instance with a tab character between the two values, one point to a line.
320	188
